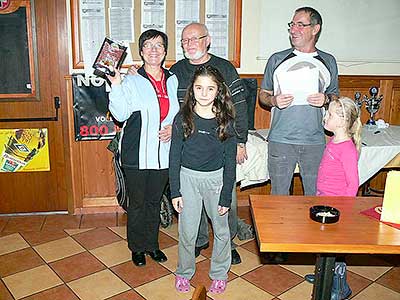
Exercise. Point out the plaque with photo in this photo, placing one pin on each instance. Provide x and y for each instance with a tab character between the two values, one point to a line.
110	57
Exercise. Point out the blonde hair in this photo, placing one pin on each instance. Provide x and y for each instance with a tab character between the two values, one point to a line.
350	112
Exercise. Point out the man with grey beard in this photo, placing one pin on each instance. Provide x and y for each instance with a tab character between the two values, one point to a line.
195	43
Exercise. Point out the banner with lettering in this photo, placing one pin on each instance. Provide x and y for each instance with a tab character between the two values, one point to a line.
91	116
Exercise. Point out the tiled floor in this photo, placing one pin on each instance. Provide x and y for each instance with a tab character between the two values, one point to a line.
86	257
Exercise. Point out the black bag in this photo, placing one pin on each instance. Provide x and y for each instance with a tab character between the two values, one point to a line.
166	210
120	186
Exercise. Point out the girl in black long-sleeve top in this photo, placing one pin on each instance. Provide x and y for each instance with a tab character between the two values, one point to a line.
202	172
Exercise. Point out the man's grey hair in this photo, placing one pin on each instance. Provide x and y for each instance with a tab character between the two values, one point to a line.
315	18
202	26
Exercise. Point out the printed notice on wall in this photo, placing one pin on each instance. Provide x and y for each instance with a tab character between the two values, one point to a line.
121	24
186	12
24	150
93	30
217	19
153	15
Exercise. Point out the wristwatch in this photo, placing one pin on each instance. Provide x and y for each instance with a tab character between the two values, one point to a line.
241	145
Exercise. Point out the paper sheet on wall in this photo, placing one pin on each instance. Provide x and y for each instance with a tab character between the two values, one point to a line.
121	25
93	30
153	15
217	19
391	198
186	12
300	83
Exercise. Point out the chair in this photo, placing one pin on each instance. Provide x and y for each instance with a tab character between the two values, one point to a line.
250	84
200	293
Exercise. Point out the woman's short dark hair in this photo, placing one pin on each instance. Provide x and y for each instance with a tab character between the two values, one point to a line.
152	34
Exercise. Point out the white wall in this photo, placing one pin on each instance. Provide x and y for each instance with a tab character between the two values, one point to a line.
253	18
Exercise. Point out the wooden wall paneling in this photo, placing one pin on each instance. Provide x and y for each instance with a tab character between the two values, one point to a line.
98	177
385	89
395	107
92	182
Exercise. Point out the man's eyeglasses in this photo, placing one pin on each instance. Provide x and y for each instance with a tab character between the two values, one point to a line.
299	25
157	46
194	39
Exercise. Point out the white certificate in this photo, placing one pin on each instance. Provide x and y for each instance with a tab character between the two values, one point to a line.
299	83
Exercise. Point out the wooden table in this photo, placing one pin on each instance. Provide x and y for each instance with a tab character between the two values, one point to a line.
283	224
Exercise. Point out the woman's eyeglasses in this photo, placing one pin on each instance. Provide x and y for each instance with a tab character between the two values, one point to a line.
157	46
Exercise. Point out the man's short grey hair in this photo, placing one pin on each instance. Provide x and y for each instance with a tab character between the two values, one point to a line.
201	25
315	18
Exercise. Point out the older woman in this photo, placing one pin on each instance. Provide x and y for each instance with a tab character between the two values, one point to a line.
147	103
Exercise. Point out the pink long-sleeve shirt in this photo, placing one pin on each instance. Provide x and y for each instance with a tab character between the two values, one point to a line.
338	170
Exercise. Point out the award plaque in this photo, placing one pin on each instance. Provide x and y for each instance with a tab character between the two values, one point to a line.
111	54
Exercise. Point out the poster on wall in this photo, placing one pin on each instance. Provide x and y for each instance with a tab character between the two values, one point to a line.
24	150
91	116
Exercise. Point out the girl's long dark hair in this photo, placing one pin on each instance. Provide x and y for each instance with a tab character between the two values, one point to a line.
222	106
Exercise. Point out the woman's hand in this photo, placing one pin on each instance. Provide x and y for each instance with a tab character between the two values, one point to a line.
165	134
116	79
177	203
222	210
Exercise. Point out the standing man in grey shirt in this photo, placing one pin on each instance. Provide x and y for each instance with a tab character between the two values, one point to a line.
196	43
296	134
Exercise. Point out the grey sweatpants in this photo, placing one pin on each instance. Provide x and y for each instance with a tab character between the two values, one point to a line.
198	188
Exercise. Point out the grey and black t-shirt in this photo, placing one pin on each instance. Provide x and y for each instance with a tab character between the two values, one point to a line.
299	124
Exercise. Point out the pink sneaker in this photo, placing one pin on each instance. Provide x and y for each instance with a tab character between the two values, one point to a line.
182	284
218	286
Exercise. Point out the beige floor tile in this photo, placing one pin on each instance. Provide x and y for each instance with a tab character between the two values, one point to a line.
300	270
302	291
172	254
376	291
11	243
120	230
239	242
163	289
172	231
239	289
370	272
32	281
98	286
113	254
250	261
59	249
77	231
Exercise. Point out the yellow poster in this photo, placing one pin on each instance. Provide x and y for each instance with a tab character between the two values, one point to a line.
24	150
